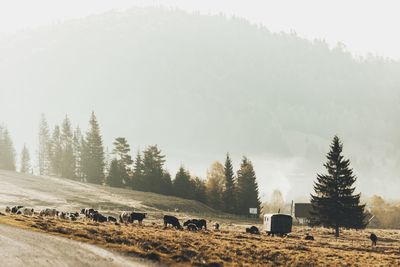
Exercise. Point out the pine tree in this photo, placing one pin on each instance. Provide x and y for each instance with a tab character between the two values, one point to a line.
7	151
137	178
44	150
182	184
55	152
167	188
77	141
215	185
153	163
247	188
115	175
334	204
229	195
93	153
121	151
25	161
67	167
199	190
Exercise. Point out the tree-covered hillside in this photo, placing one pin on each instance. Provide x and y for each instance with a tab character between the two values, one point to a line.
201	86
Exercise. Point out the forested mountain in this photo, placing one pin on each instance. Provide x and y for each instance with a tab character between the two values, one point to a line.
200	86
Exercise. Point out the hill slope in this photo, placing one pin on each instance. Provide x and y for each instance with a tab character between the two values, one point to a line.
200	86
40	192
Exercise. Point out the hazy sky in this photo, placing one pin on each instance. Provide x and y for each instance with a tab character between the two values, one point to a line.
363	25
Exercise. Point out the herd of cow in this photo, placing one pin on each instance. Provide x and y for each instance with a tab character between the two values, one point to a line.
124	217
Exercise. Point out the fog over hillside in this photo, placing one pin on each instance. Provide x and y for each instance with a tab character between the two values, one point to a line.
200	86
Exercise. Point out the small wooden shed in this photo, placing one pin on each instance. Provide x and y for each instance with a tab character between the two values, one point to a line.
278	224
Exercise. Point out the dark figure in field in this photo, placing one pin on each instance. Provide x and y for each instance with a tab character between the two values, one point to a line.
135	216
309	237
216	226
200	224
373	238
16	208
192	227
253	230
88	212
98	217
111	219
172	220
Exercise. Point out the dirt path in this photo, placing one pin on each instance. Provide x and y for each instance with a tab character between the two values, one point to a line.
20	247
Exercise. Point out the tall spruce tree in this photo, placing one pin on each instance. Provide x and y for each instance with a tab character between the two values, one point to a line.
93	153
124	160
7	151
115	177
77	141
182	184
153	172
68	167
229	194
44	149
56	152
25	161
247	188
199	190
334	204
137	176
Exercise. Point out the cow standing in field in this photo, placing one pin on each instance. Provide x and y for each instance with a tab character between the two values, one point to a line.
87	212
16	208
172	220
253	230
49	212
111	219
25	211
373	238
200	224
125	217
135	216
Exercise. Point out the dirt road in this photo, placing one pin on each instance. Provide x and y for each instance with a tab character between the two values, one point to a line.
20	247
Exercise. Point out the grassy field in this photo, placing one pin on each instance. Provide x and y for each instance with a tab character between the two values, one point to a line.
230	246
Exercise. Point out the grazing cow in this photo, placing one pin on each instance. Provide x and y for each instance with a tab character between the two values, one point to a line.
62	215
111	219
253	230
87	212
135	216
216	226
16	208
172	220
192	227
25	211
8	209
199	223
373	238
125	217
49	212
309	237
98	217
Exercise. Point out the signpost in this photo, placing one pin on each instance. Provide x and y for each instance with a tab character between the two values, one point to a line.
253	212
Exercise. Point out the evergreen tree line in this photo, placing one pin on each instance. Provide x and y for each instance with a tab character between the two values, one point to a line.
66	152
8	154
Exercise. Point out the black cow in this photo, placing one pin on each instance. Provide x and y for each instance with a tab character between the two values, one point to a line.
16	208
373	238
111	219
135	216
309	237
253	230
199	223
172	220
216	226
98	217
192	227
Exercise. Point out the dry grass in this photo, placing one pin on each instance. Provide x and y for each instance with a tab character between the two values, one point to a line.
229	247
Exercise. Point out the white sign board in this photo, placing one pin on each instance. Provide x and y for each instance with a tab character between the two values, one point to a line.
253	210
